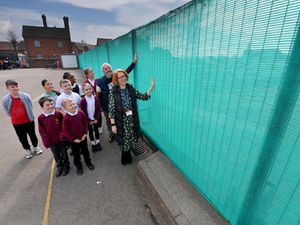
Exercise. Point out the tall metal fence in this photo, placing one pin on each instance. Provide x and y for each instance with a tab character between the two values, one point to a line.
226	107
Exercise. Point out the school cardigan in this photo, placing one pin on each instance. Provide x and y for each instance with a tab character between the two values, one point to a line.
7	102
83	107
74	127
50	128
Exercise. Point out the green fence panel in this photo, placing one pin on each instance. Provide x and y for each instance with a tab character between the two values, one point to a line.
226	106
101	52
120	53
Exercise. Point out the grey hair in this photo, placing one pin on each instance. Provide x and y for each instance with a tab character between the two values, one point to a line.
105	64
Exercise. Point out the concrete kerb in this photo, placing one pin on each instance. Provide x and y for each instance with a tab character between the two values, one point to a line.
171	199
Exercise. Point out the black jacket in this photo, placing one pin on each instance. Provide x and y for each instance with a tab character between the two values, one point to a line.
120	113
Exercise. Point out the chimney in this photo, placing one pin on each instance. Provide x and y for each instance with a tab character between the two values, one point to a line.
67	28
44	20
66	22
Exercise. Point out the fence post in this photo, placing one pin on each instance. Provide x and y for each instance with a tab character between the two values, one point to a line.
283	110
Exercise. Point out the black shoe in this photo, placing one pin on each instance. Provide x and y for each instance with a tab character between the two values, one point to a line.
90	166
111	139
99	147
94	148
66	170
129	159
59	171
79	172
123	158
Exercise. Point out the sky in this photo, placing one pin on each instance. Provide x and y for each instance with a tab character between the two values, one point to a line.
88	19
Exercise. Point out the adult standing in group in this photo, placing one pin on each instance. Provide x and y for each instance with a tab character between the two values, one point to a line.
123	113
105	84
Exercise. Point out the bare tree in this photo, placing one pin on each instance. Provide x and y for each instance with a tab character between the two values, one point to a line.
13	39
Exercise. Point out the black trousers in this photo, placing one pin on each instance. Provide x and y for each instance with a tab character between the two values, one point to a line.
22	130
93	129
76	147
60	155
99	124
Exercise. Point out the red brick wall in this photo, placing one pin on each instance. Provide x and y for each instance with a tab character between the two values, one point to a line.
48	49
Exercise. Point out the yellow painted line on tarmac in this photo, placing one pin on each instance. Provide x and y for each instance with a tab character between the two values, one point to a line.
48	199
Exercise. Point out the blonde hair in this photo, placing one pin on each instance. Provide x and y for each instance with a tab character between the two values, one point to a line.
63	81
65	101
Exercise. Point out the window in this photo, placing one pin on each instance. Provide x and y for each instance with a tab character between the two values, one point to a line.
37	44
60	44
39	56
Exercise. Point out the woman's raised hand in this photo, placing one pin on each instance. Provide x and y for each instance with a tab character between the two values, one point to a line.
152	83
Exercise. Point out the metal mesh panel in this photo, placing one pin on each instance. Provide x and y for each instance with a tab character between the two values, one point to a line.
225	109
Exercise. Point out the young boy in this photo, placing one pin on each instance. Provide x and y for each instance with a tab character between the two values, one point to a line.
90	105
75	128
75	87
18	106
50	125
67	93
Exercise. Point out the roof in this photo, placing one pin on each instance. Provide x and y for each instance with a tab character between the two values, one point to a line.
101	41
45	32
82	46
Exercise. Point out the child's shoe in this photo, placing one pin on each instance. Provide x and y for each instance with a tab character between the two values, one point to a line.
66	170
59	171
90	166
36	150
94	147
79	172
99	147
28	154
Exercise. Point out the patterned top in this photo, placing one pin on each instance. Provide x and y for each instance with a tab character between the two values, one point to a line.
126	100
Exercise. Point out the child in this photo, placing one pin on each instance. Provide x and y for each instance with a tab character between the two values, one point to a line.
75	87
90	105
18	106
49	90
75	128
67	93
50	125
90	79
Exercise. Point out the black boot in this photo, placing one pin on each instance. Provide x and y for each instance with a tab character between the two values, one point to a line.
94	148
66	170
128	157
59	171
99	147
79	171
123	158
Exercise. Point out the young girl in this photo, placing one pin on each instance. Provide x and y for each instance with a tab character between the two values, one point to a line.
90	105
49	90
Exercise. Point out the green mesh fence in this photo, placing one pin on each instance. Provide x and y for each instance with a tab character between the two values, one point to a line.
225	109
